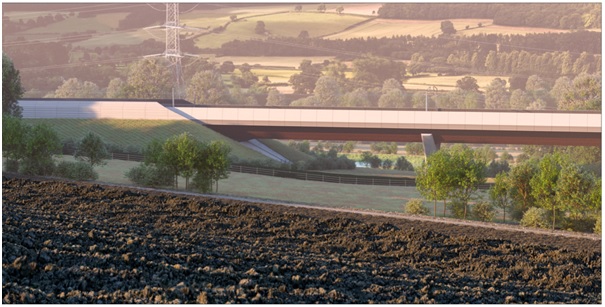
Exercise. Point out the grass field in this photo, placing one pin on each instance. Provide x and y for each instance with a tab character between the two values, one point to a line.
280	24
289	190
139	133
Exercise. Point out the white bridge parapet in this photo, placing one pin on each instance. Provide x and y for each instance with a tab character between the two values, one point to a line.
307	117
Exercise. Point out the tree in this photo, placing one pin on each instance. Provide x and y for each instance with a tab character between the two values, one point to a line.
467	174
433	178
468	83
14	134
233	18
12	90
216	164
496	96
358	98
115	89
327	91
501	193
321	8
149	79
520	177
260	27
340	9
41	143
574	189
371	71
207	87
189	152
304	82
447	27
393	98
91	149
520	100
544	184
275	98
585	94
298	8
304	34
402	164
227	67
74	88
414	149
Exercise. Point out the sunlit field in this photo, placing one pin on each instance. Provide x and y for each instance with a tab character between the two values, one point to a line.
444	82
280	24
389	27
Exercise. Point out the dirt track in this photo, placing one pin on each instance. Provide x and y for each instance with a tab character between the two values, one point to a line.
87	243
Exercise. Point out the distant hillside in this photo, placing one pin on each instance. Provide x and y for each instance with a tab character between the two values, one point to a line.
547	15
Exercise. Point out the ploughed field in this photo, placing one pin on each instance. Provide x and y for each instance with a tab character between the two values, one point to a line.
65	242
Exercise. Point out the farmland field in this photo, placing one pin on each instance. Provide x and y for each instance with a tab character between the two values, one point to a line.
87	243
447	83
388	27
280	24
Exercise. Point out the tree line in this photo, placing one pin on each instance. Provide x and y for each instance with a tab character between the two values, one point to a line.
544	15
562	193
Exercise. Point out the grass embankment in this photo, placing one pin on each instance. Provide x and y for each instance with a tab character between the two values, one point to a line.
286	151
139	133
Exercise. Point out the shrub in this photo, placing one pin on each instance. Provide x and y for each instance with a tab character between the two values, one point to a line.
42	167
597	225
535	217
584	223
403	164
150	176
483	211
75	170
415	206
387	164
457	208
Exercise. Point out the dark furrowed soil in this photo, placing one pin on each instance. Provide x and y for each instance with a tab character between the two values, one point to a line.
64	242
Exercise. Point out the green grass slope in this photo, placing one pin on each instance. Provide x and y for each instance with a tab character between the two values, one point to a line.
286	151
139	133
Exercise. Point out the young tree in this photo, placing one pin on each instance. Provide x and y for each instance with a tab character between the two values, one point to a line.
433	178
467	174
91	149
573	190
544	184
298	8
585	94
216	166
12	90
520	177
321	8
189	152
340	9
501	193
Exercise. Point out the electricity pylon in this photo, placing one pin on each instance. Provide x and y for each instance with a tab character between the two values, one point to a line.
173	52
